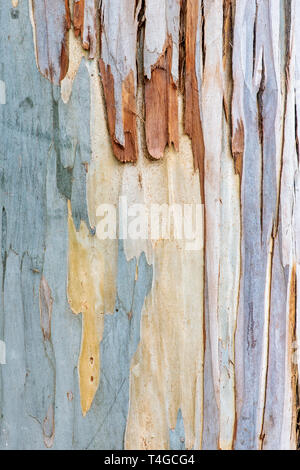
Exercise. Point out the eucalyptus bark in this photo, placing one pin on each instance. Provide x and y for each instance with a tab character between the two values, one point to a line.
145	344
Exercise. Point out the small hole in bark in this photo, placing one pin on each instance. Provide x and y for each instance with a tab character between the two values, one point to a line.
92	379
14	14
92	360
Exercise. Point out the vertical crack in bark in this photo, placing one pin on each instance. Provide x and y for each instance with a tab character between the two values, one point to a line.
203	32
260	118
237	143
269	278
288	24
254	38
141	20
182	46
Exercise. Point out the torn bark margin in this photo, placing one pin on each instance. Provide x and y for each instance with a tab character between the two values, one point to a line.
161	100
84	23
192	118
129	152
237	131
64	57
78	17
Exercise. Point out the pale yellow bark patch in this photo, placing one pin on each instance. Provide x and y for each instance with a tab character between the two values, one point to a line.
84	295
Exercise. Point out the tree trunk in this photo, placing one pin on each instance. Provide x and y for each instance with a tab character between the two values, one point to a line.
149	342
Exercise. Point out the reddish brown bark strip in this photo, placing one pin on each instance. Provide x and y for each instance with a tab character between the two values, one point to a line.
161	101
84	21
193	125
129	152
68	14
78	17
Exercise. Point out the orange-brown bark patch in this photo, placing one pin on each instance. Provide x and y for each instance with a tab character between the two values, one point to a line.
129	152
161	103
64	60
68	15
78	17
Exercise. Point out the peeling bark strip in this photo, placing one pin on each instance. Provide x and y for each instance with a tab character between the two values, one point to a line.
161	63
118	71
161	100
128	152
51	22
78	17
193	126
84	20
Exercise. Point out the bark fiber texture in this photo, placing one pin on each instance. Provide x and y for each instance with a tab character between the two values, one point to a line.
121	344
